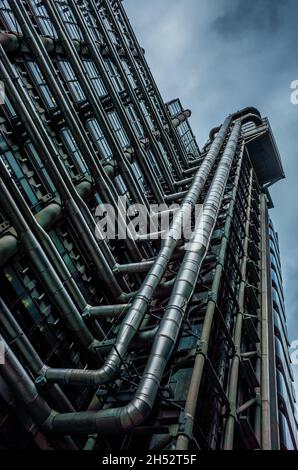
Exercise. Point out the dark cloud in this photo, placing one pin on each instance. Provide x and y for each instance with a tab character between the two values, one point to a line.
242	17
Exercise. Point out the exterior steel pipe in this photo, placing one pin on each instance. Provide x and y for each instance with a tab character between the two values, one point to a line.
9	246
46	272
42	236
26	392
142	267
106	311
142	340
103	185
24	389
58	173
38	226
183	182
142	59
141	302
46	218
181	117
267	411
193	391
149	133
237	338
168	144
127	417
14	43
140	155
98	110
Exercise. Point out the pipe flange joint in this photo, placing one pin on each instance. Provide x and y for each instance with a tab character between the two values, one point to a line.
185	425
212	297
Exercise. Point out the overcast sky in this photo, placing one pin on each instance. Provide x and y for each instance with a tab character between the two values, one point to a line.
219	56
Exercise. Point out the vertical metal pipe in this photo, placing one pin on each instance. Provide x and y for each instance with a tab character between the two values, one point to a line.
123	419
46	272
56	170
152	140
194	388
98	61
232	389
269	408
98	172
142	300
141	57
96	106
43	238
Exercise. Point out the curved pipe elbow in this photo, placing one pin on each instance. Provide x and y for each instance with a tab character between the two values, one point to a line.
79	377
134	414
110	421
247	114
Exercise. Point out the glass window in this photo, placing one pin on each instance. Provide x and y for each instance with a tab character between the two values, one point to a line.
174	108
99	139
118	129
154	164
147	115
42	87
73	149
42	18
92	73
138	174
135	121
114	75
68	19
71	79
108	28
120	185
128	73
9	108
90	21
39	166
8	18
17	171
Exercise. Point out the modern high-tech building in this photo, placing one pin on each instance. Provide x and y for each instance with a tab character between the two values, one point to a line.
131	343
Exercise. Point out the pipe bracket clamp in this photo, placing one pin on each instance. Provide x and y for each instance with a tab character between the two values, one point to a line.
185	425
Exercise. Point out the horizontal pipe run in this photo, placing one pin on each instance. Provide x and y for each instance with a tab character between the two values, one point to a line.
141	267
183	182
176	196
105	311
124	419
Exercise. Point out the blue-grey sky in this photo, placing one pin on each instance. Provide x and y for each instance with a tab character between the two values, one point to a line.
218	56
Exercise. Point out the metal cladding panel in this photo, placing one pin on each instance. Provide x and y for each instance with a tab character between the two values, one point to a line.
265	159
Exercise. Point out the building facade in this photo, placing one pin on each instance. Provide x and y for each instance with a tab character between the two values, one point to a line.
118	343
